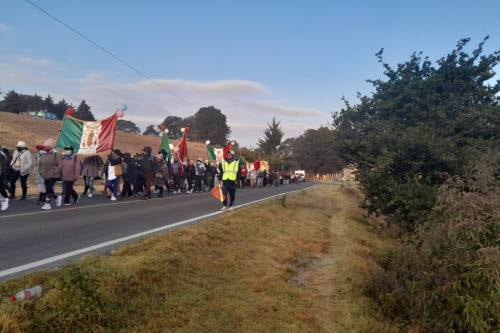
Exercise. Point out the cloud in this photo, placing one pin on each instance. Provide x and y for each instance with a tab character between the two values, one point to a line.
248	105
4	28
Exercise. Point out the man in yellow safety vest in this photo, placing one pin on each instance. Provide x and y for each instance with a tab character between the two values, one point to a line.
230	167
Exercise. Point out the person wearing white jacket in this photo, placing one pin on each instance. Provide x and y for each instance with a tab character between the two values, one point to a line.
22	162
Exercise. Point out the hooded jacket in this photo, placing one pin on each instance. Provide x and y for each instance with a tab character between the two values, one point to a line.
25	159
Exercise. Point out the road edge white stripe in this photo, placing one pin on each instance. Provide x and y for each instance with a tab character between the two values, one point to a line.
70	254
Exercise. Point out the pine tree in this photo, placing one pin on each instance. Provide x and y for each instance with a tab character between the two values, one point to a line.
83	112
272	138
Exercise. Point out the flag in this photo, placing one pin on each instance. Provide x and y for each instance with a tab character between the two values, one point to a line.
183	144
210	151
88	137
226	150
217	193
165	142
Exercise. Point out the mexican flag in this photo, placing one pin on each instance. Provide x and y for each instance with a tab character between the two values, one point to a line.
165	145
210	151
217	154
88	137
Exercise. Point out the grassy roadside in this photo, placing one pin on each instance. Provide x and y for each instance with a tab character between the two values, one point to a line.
293	264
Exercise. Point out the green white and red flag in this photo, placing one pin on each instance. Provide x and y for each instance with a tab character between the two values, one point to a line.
88	137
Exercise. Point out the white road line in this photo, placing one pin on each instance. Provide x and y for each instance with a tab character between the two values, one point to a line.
59	210
70	254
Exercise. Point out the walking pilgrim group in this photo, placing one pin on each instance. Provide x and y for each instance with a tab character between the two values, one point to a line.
124	175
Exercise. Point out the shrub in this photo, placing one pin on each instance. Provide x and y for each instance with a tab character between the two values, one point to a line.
445	277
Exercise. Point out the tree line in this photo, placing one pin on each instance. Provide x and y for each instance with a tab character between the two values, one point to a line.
312	150
426	147
15	102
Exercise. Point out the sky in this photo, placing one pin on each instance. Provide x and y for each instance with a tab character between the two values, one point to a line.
254	60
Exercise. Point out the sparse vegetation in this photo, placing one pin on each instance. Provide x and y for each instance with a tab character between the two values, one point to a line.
261	269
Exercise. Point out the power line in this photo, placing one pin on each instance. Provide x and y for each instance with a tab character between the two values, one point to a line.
105	50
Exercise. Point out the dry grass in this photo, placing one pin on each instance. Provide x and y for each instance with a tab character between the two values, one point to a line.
291	265
33	131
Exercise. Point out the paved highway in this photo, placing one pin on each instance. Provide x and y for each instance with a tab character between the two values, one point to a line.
31	239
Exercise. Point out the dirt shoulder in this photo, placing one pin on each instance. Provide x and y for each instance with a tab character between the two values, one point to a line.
289	265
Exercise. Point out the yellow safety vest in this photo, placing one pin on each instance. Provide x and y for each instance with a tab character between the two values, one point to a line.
230	170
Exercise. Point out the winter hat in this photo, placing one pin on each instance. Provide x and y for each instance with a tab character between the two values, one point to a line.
21	144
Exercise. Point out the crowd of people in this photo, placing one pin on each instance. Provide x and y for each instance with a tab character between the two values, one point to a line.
124	175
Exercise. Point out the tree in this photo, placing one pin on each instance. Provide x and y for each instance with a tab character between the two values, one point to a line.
151	130
424	124
315	151
48	102
272	138
12	102
174	125
60	108
83	112
209	123
127	126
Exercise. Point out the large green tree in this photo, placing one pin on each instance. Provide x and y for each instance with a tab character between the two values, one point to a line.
315	151
209	123
127	126
151	130
424	123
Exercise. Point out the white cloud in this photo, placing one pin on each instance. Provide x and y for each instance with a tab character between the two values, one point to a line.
248	105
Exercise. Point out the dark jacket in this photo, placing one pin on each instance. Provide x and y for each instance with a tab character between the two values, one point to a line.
92	166
130	175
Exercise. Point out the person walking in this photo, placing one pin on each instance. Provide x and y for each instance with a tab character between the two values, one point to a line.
242	176
200	171
71	169
230	166
177	174
129	176
253	178
113	170
21	164
39	179
92	168
190	175
150	168
49	166
4	167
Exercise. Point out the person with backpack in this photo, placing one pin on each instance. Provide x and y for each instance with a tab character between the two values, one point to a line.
71	169
21	164
200	171
92	168
49	167
230	167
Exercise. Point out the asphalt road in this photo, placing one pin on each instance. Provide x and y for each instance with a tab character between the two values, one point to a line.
32	239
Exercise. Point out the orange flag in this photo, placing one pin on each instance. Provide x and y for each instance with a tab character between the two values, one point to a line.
217	193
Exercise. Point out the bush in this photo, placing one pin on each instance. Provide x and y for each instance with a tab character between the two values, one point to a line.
445	277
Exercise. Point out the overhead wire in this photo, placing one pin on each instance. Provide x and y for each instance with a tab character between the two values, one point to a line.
105	50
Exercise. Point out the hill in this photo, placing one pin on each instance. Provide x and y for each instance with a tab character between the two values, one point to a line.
15	127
